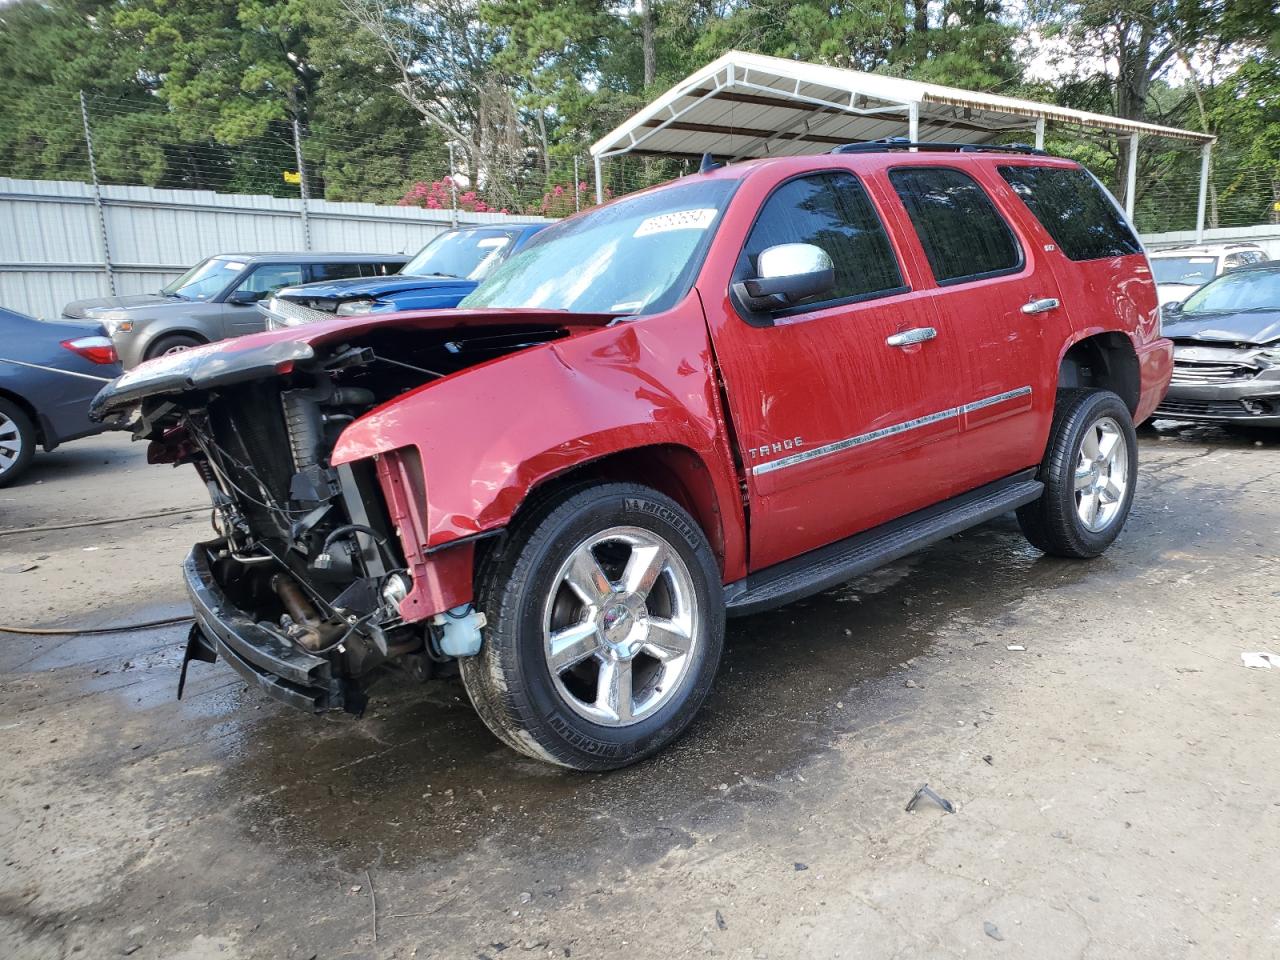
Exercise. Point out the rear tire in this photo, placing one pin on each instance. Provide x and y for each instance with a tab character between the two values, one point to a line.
172	343
1090	471
605	623
17	442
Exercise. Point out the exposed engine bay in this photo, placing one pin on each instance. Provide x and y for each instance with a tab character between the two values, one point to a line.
305	553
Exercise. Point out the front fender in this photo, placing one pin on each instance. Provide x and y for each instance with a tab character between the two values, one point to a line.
488	435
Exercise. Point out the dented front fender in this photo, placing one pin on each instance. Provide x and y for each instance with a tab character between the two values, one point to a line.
487	436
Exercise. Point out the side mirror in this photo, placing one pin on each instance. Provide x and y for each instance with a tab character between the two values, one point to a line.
788	274
242	298
1171	309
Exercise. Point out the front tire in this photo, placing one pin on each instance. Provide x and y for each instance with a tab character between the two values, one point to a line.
1090	471
172	343
605	624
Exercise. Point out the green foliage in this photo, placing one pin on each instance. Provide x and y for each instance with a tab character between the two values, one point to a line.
204	93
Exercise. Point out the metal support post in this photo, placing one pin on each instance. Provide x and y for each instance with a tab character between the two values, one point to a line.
453	189
303	193
1204	190
1131	177
97	198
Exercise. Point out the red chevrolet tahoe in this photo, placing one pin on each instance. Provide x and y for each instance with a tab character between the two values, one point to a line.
712	397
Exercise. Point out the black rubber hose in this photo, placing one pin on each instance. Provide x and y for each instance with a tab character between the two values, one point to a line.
91	631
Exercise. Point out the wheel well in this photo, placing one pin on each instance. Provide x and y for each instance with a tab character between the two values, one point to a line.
674	470
198	337
25	406
1106	361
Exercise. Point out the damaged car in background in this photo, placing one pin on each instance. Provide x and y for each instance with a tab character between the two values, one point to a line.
1226	350
710	398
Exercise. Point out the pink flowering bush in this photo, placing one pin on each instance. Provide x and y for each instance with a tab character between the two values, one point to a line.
436	196
559	200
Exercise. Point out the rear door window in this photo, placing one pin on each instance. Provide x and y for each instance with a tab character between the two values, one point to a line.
380	269
962	233
1081	217
831	211
270	277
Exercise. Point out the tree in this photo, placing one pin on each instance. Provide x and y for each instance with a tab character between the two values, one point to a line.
444	56
48	54
1128	45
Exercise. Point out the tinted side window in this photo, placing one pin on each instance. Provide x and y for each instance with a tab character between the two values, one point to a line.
1078	214
962	233
271	277
381	269
333	271
831	211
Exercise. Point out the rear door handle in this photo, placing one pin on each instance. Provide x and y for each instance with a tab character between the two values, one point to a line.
908	337
1043	305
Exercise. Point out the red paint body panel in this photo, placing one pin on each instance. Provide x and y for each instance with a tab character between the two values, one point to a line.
487	436
822	377
603	391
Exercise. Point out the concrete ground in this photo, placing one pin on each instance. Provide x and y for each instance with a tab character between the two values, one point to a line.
1116	783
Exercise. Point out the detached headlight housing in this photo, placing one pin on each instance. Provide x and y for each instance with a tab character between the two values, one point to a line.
353	308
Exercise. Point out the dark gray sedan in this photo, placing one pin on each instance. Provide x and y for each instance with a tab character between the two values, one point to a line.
217	298
49	371
1226	350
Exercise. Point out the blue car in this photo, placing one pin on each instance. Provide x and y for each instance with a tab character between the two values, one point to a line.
442	273
49	371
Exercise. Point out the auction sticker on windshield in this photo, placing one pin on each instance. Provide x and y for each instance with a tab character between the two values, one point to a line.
698	219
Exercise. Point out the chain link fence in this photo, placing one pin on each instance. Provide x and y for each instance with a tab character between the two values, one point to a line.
144	143
105	140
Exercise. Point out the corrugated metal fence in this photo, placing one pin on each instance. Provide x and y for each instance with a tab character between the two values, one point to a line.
52	248
52	235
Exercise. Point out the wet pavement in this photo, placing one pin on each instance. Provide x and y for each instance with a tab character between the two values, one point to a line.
1115	780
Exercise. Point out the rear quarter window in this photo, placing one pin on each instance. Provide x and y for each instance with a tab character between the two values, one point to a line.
1072	206
962	233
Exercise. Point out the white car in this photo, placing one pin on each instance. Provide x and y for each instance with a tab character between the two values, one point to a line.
1180	271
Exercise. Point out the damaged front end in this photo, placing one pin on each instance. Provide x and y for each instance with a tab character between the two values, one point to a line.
303	588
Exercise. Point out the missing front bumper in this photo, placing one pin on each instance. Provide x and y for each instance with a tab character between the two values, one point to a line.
262	657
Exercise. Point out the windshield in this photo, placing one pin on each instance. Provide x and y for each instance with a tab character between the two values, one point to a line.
205	280
1236	293
1188	270
638	255
461	254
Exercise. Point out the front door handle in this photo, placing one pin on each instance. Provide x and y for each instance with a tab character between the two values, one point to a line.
908	337
1043	305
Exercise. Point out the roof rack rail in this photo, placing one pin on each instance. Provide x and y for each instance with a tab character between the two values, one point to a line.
902	143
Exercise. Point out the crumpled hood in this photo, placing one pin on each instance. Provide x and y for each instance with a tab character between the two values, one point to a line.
275	352
360	288
95	306
1256	328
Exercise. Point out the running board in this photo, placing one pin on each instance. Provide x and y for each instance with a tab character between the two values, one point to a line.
843	560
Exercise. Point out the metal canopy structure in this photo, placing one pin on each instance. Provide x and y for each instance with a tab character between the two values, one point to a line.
745	105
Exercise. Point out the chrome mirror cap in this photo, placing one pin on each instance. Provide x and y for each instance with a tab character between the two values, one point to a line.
787	274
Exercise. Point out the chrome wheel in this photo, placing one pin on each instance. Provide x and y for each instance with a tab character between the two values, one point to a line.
620	626
1102	474
10	442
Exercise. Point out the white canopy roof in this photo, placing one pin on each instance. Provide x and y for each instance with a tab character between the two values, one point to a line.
747	105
